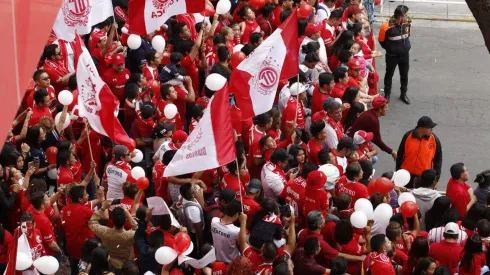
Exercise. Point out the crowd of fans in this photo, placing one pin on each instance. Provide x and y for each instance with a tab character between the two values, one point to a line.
271	211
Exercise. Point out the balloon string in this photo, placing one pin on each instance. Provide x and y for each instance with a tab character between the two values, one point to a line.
88	140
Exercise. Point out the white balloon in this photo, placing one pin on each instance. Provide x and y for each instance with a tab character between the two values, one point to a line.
67	120
189	250
332	173
223	7
401	177
165	255
383	213
406	196
364	205
47	265
53	173
137	172
215	82
134	41
65	97
237	48
170	111
198	17
124	30
158	43
358	219
138	157
23	261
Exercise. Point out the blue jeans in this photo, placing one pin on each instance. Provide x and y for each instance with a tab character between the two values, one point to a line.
369	6
374	160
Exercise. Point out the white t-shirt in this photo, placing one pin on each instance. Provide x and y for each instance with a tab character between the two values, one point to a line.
341	161
225	240
272	179
193	213
331	141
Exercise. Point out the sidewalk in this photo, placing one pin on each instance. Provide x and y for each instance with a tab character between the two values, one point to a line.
454	10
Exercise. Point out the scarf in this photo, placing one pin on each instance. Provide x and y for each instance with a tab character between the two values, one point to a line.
339	130
64	51
58	67
272	218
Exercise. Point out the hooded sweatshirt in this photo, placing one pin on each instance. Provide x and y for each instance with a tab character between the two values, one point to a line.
425	198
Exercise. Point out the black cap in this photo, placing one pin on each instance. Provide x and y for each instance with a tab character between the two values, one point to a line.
120	151
227	195
161	128
347	142
426	122
254	186
147	110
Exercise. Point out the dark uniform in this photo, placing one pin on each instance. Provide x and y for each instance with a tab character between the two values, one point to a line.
395	39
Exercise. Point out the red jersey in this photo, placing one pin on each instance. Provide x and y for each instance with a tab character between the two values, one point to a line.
250	27
363	150
176	121
190	67
378	263
289	113
294	194
355	190
145	126
75	219
230	181
327	253
458	194
338	90
29	97
161	182
204	101
276	17
38	113
313	149
55	70
116	82
34	237
4	247
353	248
190	21
150	74
250	206
315	200
46	228
327	33
254	150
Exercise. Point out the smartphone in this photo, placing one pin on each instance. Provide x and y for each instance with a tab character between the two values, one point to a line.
50	191
30	164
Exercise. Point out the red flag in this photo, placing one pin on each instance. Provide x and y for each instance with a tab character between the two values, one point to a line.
254	82
211	144
146	16
345	17
96	101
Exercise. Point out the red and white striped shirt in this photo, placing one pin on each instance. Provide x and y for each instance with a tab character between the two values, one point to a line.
437	234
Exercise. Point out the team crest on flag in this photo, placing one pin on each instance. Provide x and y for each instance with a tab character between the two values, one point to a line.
76	12
267	76
163	4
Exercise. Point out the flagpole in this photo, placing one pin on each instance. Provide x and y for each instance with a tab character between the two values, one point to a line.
88	140
239	182
116	35
297	102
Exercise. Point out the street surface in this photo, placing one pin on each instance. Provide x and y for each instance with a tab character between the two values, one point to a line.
449	81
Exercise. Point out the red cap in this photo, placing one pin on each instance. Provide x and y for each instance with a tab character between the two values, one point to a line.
218	268
97	36
316	180
318	116
118	59
311	29
353	9
179	135
362	136
378	102
176	271
354	64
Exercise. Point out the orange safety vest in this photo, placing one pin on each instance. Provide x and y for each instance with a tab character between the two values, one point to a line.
419	154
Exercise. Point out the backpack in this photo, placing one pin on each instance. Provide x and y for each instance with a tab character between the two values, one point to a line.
178	208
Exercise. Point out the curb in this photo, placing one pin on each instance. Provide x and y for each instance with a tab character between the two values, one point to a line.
433	18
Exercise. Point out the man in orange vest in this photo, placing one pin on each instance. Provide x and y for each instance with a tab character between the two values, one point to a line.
420	149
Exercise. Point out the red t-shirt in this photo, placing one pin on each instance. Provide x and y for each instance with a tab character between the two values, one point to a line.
315	200
250	27
289	113
317	100
327	253
338	90
47	231
230	181
355	190
353	82
4	247
34	237
38	113
250	206
458	194
447	254
378	263
75	219
479	260
150	74
353	248
258	264
161	182
313	149
190	21
116	82
192	71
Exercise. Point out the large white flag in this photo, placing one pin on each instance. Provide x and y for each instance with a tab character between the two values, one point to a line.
79	16
211	144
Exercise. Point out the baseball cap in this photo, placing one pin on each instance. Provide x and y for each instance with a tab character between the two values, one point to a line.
354	64
378	102
227	195
297	88
316	180
179	135
318	116
347	142
176	271
97	36
426	122
362	136
254	186
161	128
118	59
218	268
353	9
311	29
120	151
451	228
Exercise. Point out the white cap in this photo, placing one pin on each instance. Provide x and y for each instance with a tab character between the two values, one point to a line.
451	228
297	88
303	68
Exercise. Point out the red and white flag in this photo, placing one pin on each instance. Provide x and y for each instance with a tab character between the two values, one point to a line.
211	144
79	16
254	82
146	16
96	102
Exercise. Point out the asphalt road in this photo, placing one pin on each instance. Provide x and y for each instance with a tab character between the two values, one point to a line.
449	80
